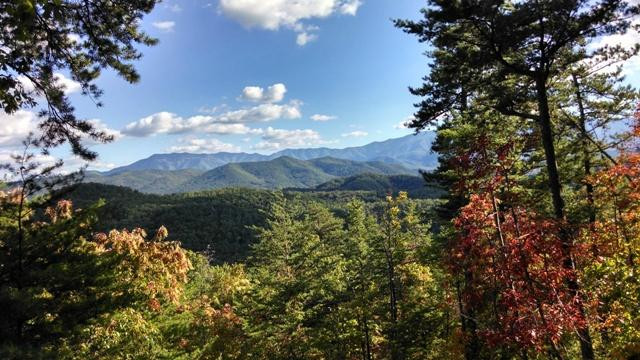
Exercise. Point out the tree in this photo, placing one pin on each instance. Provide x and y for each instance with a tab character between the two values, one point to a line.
42	38
613	238
295	302
508	54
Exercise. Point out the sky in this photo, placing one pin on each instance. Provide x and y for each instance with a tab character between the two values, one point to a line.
255	76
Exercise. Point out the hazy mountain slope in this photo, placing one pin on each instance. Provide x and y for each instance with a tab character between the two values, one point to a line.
412	151
179	161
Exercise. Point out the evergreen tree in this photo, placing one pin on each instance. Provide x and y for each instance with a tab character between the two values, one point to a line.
508	56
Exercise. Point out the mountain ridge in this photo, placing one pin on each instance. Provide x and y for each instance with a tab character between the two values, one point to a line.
282	172
412	151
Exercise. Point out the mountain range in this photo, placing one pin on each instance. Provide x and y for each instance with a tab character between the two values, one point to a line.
282	172
411	151
291	168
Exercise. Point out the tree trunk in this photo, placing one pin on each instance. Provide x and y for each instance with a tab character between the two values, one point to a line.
555	188
585	148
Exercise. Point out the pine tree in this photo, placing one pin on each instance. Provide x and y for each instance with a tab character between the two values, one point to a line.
508	55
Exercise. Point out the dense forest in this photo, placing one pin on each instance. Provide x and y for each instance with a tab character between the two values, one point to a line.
220	221
532	250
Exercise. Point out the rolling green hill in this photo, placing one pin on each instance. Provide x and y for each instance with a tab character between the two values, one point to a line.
286	172
282	172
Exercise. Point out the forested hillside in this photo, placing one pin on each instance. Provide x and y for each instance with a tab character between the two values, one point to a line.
219	222
415	186
282	172
147	181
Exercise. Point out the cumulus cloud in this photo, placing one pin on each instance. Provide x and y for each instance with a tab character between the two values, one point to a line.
16	127
158	123
277	139
220	119
204	146
166	26
320	117
261	113
357	133
291	14
274	93
227	123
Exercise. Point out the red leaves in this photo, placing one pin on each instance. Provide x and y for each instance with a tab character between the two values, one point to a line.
636	124
516	260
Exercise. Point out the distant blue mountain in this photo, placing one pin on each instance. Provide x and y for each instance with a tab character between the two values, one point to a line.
411	151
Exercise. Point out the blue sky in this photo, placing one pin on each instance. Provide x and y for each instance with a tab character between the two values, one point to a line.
353	74
258	76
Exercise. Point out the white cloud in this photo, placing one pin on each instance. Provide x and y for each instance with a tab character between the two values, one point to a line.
16	127
101	126
204	146
230	122
70	165
357	133
274	93
277	139
158	123
304	37
69	86
403	124
350	7
627	41
320	117
291	14
253	93
261	113
230	129
100	165
220	119
166	26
